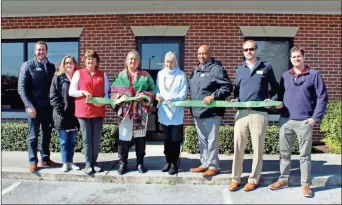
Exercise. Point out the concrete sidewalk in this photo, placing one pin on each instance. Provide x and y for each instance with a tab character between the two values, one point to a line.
326	169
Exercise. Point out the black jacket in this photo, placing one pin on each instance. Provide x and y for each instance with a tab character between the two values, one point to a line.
63	104
211	80
34	83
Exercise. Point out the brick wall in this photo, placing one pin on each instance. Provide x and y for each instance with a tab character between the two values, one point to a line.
112	38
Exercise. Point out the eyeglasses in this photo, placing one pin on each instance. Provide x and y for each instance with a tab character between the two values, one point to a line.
248	49
298	82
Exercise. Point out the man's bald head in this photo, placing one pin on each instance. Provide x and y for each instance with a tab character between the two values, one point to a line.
204	54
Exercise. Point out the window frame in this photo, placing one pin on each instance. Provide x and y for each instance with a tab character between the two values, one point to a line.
139	40
273	115
21	114
34	40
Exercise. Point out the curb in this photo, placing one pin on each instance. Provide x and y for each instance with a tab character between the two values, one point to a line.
154	177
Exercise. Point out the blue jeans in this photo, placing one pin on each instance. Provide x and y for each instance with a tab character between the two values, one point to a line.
67	142
41	124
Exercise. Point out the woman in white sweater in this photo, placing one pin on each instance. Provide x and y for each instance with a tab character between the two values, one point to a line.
172	86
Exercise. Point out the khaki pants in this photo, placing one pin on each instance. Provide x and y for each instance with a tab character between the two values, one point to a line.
254	122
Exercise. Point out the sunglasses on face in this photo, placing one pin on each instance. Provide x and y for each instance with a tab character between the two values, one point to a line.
248	49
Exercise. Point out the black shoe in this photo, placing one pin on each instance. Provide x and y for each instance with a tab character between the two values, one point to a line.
166	167
173	169
141	168
122	169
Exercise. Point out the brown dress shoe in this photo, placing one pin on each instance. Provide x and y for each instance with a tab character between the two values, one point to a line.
233	186
278	185
249	187
49	163
198	169
33	167
210	173
306	191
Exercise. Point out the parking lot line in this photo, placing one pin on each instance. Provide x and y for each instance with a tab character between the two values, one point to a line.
10	188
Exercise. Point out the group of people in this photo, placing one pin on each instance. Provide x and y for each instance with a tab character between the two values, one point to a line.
302	93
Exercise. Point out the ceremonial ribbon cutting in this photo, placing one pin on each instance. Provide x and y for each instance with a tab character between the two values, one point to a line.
191	103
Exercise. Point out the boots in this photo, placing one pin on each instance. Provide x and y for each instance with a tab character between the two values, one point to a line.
167	156
174	157
123	149
140	145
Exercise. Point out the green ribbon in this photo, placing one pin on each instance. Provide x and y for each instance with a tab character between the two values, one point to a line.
218	103
105	101
188	103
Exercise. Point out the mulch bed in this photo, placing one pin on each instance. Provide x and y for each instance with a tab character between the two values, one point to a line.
320	149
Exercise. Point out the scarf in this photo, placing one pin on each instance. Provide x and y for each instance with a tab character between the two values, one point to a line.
170	110
143	84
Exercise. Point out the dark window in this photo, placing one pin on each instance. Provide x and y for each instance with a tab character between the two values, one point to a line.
15	52
57	50
12	57
277	52
152	51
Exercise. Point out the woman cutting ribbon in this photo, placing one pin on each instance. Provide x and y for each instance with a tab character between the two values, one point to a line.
133	115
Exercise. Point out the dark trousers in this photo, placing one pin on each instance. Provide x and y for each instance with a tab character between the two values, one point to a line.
43	119
140	146
91	130
173	137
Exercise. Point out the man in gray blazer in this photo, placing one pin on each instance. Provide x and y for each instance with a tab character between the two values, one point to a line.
33	86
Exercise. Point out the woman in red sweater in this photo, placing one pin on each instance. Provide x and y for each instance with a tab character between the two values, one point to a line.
90	82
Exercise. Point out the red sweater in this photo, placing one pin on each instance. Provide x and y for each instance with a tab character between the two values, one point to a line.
95	86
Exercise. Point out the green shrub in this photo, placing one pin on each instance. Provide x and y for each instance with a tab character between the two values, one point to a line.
190	143
14	138
226	135
331	126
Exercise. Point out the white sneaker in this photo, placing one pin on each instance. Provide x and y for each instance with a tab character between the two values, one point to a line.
65	167
73	166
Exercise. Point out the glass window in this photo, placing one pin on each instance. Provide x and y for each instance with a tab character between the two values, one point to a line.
15	53
277	53
56	51
152	54
12	58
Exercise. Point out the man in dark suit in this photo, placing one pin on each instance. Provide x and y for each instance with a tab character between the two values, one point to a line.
33	86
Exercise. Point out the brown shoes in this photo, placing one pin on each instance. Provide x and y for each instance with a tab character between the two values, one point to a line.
207	172
249	187
278	185
210	173
49	163
306	191
233	186
33	167
199	169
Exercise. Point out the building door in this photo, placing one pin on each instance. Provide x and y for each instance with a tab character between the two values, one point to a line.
152	51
